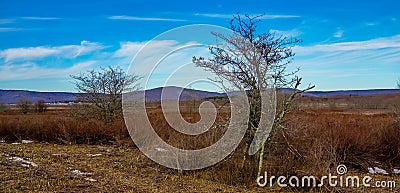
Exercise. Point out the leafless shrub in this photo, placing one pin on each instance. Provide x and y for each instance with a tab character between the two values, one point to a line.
254	61
40	106
102	93
3	107
24	105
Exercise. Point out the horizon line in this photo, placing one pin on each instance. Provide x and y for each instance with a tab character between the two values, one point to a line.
1	89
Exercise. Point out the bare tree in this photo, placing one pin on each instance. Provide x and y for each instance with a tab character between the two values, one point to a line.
24	105
254	61
102	92
40	106
3	107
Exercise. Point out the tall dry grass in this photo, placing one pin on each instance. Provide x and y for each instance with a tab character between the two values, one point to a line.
326	139
314	143
59	128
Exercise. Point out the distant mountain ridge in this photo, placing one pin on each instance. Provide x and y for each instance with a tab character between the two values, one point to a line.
174	93
347	92
170	93
12	96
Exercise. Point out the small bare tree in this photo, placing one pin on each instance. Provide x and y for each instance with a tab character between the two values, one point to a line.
24	105
254	61
102	92
3	107
41	106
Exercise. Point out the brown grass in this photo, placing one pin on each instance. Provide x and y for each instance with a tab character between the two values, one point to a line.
59	129
379	101
314	143
324	140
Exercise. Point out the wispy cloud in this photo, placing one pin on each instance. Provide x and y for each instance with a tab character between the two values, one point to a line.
373	44
5	21
148	50
129	49
31	70
291	33
28	53
14	20
358	62
67	51
134	18
40	18
229	16
163	61
279	16
338	34
86	47
371	23
8	29
350	65
215	15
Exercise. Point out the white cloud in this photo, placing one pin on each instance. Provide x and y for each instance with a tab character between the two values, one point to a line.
79	67
149	51
28	53
7	29
5	21
129	49
338	34
291	33
371	24
87	47
363	61
67	51
32	70
158	59
279	16
230	16
373	44
126	17
215	15
40	18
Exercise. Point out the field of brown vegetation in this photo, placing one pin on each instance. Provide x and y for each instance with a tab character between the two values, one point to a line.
314	142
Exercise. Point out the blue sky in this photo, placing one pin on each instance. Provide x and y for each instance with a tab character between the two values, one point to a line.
346	44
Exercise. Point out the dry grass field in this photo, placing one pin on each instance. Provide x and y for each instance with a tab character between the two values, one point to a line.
72	155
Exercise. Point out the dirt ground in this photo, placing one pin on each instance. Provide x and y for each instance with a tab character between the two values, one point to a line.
47	167
93	168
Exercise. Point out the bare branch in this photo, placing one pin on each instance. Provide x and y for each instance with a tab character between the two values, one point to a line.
103	90
254	61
